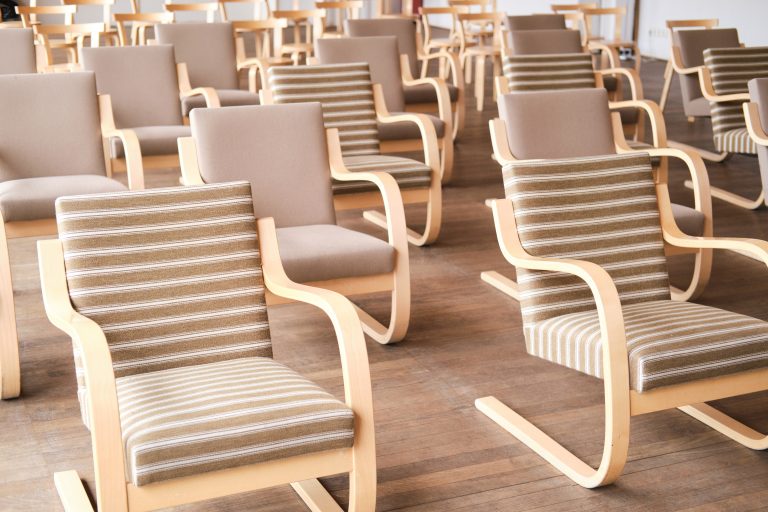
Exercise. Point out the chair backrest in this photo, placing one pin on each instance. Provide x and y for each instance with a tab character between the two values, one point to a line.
539	42
692	44
535	22
279	149
172	275
557	124
381	55
208	50
403	29
49	126
261	9
142	82
209	8
310	20
19	51
105	5
758	93
345	92
616	13
601	209
549	72
731	69
340	11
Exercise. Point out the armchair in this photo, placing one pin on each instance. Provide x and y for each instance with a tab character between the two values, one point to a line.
261	9
224	417
294	189
355	108
480	46
307	27
45	151
344	11
140	22
595	298
756	118
209	8
109	32
21	57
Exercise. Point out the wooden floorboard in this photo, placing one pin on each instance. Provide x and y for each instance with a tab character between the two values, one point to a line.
435	451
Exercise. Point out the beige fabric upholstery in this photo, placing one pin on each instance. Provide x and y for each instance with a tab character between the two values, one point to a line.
220	415
279	149
549	72
142	82
692	44
689	220
49	126
407	172
18	51
535	22
403	29
154	140
208	50
426	93
538	42
34	198
408	130
381	54
324	251
758	93
669	342
227	98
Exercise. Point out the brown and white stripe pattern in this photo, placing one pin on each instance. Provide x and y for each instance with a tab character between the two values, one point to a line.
668	342
345	92
549	72
172	276
599	209
407	172
190	420
731	69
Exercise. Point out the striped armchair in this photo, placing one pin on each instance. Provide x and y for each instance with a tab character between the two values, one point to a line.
587	236
163	294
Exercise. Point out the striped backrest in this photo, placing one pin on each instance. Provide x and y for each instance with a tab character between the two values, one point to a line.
731	69
345	92
172	276
549	72
601	209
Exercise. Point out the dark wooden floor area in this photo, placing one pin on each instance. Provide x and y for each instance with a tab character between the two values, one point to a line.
435	451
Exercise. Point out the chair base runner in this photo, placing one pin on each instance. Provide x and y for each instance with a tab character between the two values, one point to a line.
727	425
375	329
710	156
734	199
316	497
501	283
71	492
379	219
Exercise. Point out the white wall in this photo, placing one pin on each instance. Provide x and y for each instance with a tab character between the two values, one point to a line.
749	16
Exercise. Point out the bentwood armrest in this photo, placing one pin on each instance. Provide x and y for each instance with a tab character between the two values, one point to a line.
677	63
635	83
131	147
186	90
441	90
658	126
708	90
754	125
613	57
256	67
501	152
453	61
341	312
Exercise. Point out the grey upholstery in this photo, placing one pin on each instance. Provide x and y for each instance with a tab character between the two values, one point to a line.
18	46
535	22
407	130
227	98
758	93
689	220
280	149
154	140
692	44
403	29
537	42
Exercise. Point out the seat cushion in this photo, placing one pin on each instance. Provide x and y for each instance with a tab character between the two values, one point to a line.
408	130
227	98
425	93
689	220
324	251
35	198
154	140
194	419
407	172
736	141
668	342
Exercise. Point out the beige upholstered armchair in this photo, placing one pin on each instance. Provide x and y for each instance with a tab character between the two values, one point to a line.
45	151
294	188
420	95
164	298
145	76
208	51
595	298
578	123
387	65
19	56
354	105
756	117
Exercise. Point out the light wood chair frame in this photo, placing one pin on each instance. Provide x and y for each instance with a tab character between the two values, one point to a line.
140	22
699	179
77	32
257	5
113	491
756	131
397	282
621	403
344	9
469	50
10	373
28	15
110	33
268	37
449	44
312	21
610	47
209	8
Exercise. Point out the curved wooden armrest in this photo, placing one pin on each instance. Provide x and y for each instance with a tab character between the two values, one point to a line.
658	126
426	128
208	93
708	90
133	160
613	56
677	63
453	61
341	312
754	124
501	152
635	83
441	90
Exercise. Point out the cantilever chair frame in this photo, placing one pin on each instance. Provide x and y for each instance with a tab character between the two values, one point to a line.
468	50
139	24
609	46
621	403
267	52
113	493
700	182
79	31
313	22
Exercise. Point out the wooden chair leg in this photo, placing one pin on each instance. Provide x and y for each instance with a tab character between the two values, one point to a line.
501	283
480	82
10	373
399	316
727	425
668	74
734	199
316	497
434	218
466	64
710	156
702	271
71	492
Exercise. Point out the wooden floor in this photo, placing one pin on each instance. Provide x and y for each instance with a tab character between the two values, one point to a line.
435	451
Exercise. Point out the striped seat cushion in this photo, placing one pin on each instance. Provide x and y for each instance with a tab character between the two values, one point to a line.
407	172
549	72
172	276
345	92
731	69
224	414
668	342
